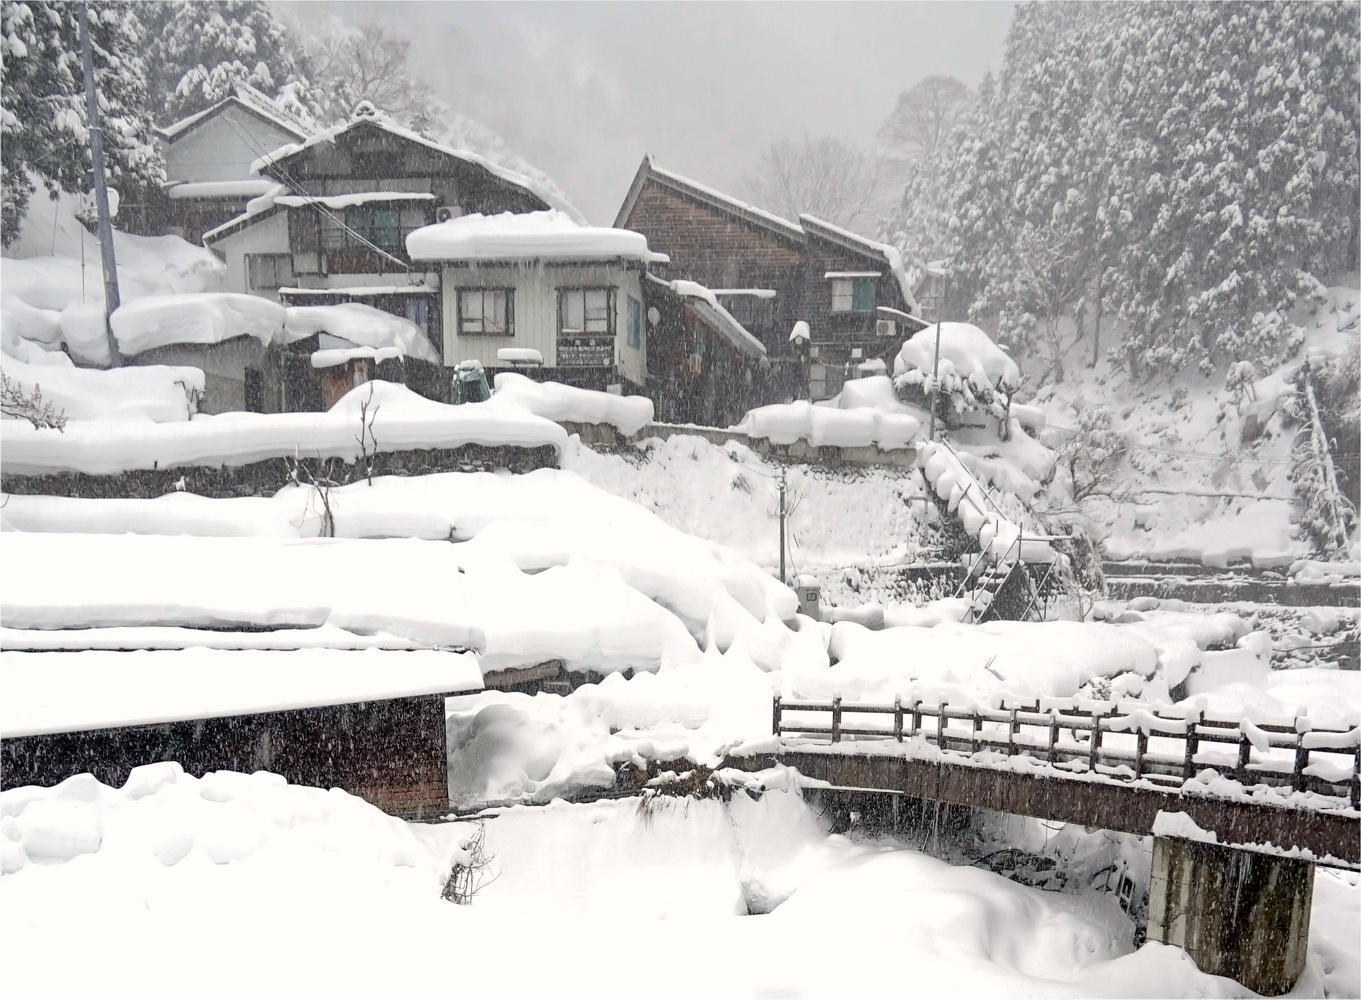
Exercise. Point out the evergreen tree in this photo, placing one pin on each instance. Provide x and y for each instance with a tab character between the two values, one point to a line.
42	103
200	51
1186	167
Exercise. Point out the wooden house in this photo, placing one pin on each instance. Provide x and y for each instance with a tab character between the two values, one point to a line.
370	721
333	226
770	274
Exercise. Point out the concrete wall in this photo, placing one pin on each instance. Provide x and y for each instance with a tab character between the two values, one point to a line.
1237	913
536	310
223	147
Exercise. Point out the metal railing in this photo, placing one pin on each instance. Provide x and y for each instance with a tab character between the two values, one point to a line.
1122	741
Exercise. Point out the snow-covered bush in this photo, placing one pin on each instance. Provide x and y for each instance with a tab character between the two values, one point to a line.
971	373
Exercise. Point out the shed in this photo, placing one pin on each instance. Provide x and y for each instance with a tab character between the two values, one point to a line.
369	721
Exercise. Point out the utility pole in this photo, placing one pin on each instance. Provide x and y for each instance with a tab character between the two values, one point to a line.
782	516
111	298
935	363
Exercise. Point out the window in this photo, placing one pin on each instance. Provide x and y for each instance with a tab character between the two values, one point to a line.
486	312
585	311
379	224
635	323
269	271
852	295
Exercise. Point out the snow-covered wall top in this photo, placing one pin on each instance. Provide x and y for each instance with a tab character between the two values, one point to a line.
69	692
402	420
568	404
550	235
866	412
965	349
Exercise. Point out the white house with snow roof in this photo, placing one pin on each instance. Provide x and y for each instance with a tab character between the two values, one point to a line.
208	158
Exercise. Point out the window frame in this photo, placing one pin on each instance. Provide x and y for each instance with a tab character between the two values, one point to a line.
563	295
483	291
844	291
276	259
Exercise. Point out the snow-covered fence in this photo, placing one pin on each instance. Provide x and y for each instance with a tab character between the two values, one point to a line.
1125	741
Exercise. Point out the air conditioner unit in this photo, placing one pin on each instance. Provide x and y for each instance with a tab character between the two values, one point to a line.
885	328
445	213
696	364
857	353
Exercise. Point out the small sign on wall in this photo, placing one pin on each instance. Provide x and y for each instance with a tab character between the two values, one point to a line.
595	352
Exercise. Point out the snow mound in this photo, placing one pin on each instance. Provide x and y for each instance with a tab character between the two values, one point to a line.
965	351
550	235
362	326
568	404
159	393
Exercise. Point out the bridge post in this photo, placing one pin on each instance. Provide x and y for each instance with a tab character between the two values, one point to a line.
1240	914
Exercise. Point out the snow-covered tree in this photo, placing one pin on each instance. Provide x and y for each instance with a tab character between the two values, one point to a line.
42	103
200	51
1197	163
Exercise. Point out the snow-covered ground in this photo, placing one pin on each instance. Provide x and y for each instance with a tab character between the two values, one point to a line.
153	882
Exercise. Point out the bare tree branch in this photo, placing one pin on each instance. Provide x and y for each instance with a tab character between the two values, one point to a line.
825	177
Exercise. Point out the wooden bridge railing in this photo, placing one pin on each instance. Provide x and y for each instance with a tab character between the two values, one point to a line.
1169	746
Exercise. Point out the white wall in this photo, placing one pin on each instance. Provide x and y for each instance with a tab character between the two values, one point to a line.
222	148
536	310
263	236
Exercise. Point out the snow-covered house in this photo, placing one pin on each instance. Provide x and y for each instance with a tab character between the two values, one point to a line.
770	274
333	226
208	158
538	285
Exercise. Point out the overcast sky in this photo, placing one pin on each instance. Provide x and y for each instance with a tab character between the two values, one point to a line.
582	91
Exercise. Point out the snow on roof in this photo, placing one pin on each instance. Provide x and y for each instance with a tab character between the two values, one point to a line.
361	291
704	302
261	206
354	198
251	187
550	235
966	348
890	254
363	326
250	99
757	293
71	692
380	121
854	274
195	318
332	357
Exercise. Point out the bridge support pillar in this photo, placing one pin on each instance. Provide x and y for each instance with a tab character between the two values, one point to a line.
1239	914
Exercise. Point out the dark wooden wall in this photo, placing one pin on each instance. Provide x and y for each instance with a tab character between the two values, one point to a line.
390	753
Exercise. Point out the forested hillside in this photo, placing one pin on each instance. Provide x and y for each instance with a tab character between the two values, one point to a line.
1181	174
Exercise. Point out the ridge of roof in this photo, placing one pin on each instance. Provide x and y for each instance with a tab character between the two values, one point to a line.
501	173
701	192
176	130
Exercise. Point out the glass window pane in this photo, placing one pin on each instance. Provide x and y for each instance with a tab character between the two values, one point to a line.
597	310
573	311
494	311
841	295
864	295
635	323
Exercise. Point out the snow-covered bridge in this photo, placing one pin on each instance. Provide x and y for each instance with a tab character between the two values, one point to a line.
1239	811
